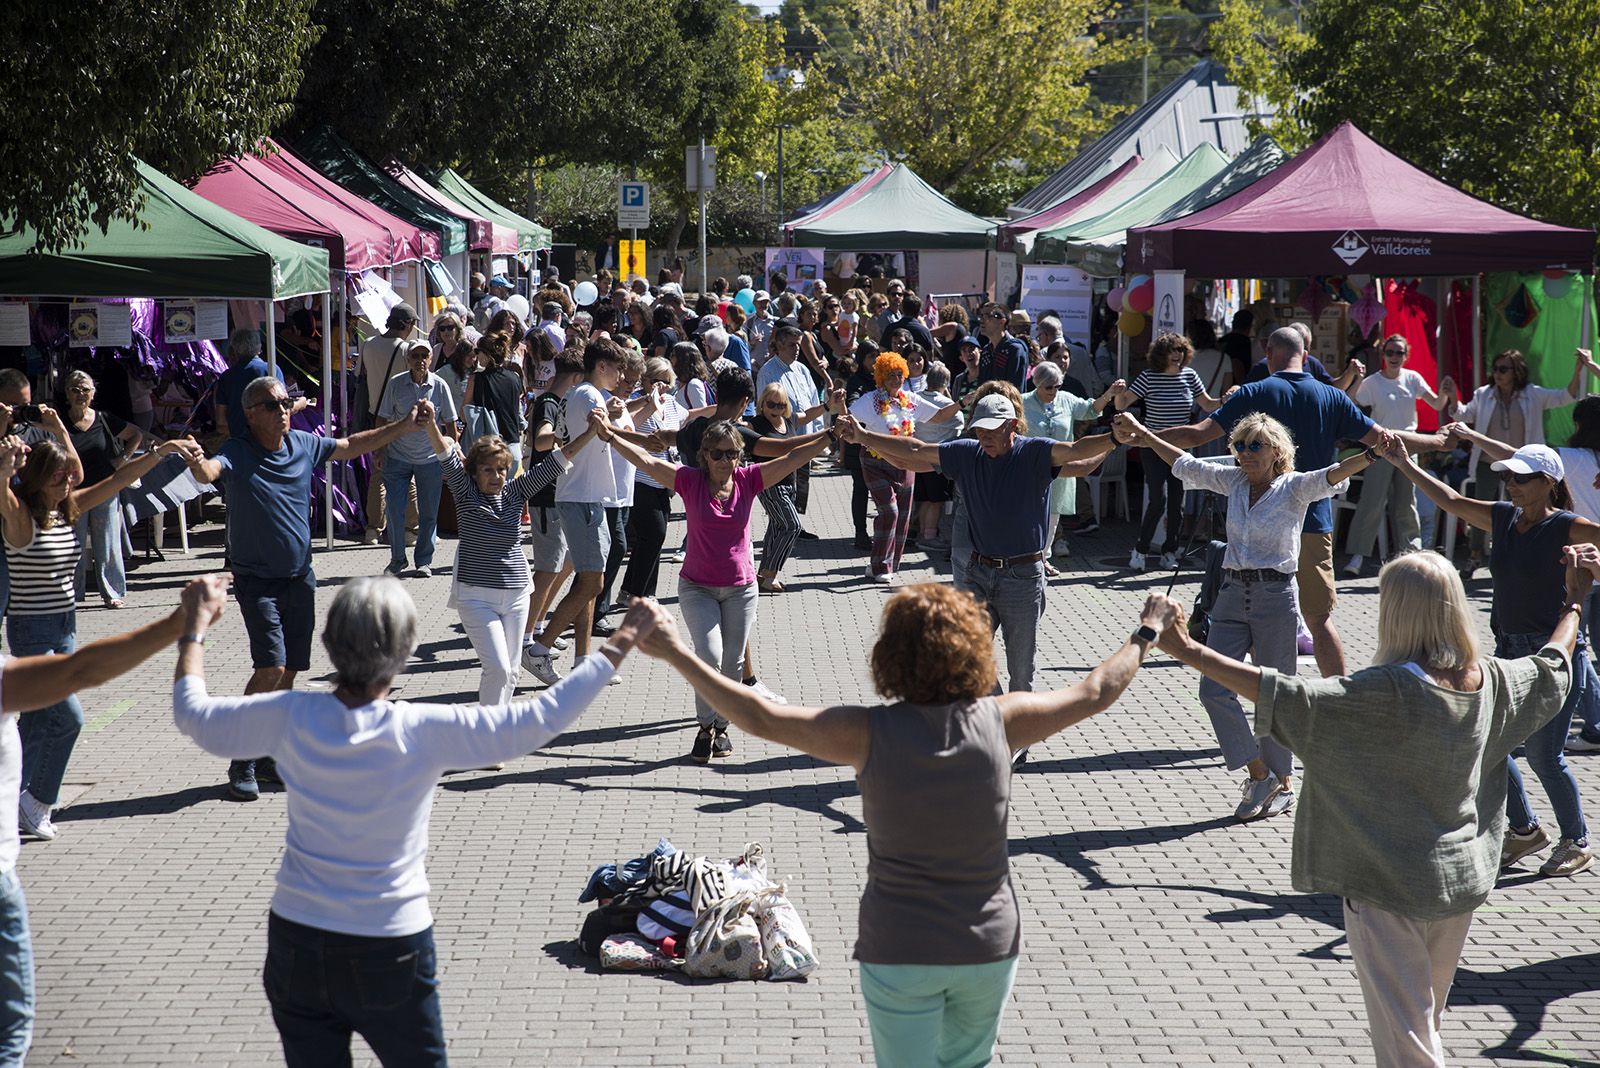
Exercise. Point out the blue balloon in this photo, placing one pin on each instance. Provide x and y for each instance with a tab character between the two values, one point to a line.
746	299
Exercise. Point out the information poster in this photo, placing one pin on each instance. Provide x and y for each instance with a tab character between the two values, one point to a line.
1062	291
92	324
799	267
1167	307
14	325
194	320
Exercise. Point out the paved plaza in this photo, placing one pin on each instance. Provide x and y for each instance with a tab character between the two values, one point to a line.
1156	929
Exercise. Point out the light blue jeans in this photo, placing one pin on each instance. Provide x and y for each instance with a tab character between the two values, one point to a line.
430	483
1014	597
719	619
923	1015
16	973
48	735
100	528
1250	616
1545	746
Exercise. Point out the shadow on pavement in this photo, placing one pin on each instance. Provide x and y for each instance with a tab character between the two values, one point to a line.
1138	760
1525	992
153	805
1070	847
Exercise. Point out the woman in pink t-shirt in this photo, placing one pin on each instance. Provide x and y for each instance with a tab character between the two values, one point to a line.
717	586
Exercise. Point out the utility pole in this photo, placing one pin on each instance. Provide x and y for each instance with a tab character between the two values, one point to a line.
782	126
1146	26
700	181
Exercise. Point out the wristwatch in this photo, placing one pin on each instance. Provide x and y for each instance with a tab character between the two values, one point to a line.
197	639
1146	634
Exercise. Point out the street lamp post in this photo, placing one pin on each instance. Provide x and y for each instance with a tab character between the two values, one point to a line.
761	179
782	126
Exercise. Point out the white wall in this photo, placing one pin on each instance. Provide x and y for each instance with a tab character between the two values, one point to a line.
955	271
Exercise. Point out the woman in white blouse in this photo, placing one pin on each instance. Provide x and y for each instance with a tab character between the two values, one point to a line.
1255	609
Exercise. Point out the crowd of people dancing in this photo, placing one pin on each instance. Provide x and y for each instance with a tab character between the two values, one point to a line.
579	433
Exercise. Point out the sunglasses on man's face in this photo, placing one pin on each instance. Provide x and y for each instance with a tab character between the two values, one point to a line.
1502	368
722	454
1249	446
277	402
1519	478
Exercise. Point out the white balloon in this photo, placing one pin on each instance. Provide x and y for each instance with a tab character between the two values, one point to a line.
585	294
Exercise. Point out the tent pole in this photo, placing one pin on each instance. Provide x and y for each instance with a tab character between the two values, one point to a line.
1477	330
327	410
272	341
344	355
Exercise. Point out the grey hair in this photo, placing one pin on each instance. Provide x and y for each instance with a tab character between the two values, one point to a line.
1051	323
1304	331
371	632
80	378
785	305
1287	339
742	282
583	320
939	375
258	390
1048	373
244	344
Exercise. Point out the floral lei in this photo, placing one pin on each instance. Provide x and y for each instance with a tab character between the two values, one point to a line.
902	400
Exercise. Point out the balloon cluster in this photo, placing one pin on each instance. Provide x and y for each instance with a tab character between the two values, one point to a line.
1133	303
746	299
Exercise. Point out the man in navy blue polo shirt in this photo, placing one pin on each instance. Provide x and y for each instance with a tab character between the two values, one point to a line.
1319	417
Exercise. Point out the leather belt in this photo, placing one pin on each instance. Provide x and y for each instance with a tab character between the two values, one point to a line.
997	562
1256	574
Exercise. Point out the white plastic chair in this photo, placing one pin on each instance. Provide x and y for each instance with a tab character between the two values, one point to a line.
1341	500
1113	472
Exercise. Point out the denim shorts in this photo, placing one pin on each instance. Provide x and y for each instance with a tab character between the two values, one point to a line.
280	615
549	544
587	532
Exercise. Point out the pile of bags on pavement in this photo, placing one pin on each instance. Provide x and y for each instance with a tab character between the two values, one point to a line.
710	919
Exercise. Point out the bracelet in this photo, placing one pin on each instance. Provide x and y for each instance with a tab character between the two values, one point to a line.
1371	454
197	639
1573	606
613	650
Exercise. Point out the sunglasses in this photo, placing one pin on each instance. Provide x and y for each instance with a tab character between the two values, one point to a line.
1394	352
996	315
277	402
449	329
1502	368
722	454
774	405
1249	446
1519	478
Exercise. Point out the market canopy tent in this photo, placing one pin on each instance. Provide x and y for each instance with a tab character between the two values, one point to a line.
252	190
897	211
1349	204
410	241
328	153
1095	243
1019	233
839	197
1253	164
1088	204
181	245
530	235
483	235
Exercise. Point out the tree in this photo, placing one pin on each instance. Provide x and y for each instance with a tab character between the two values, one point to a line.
971	91
177	85
1177	40
1501	99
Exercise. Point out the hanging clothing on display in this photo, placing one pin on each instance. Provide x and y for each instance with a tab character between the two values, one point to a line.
1414	316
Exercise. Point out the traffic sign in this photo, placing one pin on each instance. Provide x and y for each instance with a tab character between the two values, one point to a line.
633	205
700	175
630	260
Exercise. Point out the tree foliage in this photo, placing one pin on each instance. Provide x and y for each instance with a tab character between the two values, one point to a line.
967	90
1501	99
94	85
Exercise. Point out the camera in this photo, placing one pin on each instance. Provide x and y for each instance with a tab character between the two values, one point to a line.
26	413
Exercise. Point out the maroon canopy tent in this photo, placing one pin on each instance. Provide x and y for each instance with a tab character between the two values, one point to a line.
1349	204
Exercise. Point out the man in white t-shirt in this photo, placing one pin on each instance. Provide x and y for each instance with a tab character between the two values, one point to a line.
1392	393
382	357
581	499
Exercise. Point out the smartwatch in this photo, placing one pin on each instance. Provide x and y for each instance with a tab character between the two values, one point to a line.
1146	634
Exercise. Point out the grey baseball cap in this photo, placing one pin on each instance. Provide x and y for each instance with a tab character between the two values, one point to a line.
992	412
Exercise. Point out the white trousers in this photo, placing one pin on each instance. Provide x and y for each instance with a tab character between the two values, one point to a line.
1406	967
494	620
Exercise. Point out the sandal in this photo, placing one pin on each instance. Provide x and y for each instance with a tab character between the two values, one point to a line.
775	586
115	602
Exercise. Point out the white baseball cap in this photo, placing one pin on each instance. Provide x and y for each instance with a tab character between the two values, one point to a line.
1534	460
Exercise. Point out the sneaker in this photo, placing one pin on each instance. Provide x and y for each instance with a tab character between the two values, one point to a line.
602	629
423	572
700	753
765	691
1281	802
614	680
1353	565
1019	758
561	645
1136	561
1255	795
242	781
721	744
1088	526
806	535
267	771
674	557
395	568
1059	547
882	578
369	537
1582	743
1516	846
863	543
34	817
541	666
1568	857
1170	562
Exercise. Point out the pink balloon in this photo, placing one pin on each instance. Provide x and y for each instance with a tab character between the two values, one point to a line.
1141	298
1114	299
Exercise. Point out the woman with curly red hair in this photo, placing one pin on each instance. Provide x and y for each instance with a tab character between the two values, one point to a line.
939	925
892	409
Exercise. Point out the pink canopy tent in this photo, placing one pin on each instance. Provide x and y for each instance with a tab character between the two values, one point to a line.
409	242
1048	217
249	188
844	199
483	235
1349	204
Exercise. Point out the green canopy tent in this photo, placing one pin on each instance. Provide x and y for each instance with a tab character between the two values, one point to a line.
182	245
1095	244
900	212
530	235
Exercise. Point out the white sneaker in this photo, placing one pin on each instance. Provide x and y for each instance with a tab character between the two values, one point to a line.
766	692
1170	562
561	645
34	817
1136	561
1256	795
883	579
1353	565
541	666
1060	548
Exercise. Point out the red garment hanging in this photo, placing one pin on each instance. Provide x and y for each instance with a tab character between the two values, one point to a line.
1455	338
1415	317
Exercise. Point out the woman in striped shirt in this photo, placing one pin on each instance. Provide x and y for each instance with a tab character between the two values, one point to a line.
491	582
1170	389
38	518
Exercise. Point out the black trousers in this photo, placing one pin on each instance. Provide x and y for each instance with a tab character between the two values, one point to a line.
617	521
647	533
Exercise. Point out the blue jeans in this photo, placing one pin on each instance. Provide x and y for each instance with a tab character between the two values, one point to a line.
430	483
1014	597
16	973
49	734
101	529
926	1015
1545	746
324	986
1588	708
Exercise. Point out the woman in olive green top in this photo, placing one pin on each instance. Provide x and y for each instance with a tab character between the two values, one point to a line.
939	924
1402	802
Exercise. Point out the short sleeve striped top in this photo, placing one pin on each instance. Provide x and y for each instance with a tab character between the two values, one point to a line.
490	552
42	573
1168	399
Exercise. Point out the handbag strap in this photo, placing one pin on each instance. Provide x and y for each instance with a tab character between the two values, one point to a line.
388	375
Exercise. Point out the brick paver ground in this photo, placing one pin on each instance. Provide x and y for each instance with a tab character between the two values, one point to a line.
1157	931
